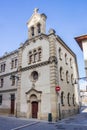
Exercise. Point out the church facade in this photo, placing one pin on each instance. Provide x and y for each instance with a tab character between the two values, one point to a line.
30	75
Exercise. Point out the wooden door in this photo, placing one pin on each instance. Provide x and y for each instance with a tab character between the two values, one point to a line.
12	106
12	103
34	109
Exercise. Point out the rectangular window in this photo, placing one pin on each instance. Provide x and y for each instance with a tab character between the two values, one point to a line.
12	96
0	99
30	59
39	56
1	82
14	63
13	80
2	67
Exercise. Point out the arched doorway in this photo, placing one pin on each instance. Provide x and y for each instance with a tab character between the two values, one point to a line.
34	109
34	103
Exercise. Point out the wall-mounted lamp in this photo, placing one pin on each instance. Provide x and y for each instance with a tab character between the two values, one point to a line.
82	78
14	76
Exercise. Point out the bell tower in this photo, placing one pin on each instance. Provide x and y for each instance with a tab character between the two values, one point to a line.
36	24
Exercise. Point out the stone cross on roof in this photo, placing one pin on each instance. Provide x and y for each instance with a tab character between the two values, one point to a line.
36	10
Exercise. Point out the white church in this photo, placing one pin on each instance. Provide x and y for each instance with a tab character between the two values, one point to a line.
38	78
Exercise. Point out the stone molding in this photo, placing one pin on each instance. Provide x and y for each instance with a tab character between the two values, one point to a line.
36	91
9	54
52	59
7	74
8	90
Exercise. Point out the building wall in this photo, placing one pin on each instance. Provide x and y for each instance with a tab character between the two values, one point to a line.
42	84
84	44
69	87
41	89
46	82
7	89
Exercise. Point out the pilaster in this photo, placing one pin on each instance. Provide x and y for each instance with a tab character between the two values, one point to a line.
19	81
53	76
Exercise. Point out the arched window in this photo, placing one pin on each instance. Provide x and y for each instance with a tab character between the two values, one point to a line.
35	55
72	80
66	59
67	76
60	54
70	62
32	31
61	73
30	57
68	99
73	99
62	98
39	28
39	54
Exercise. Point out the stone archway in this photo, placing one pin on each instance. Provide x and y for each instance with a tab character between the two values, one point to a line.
34	103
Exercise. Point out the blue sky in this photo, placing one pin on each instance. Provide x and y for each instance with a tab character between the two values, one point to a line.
67	17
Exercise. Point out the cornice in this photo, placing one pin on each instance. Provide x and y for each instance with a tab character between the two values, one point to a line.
9	54
35	66
40	36
51	60
33	90
7	74
57	38
8	90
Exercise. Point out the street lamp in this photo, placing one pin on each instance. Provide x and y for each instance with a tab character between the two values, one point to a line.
77	79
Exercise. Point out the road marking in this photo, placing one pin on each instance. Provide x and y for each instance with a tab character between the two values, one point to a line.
17	128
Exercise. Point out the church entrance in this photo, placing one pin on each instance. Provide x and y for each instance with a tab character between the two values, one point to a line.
34	103
34	109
